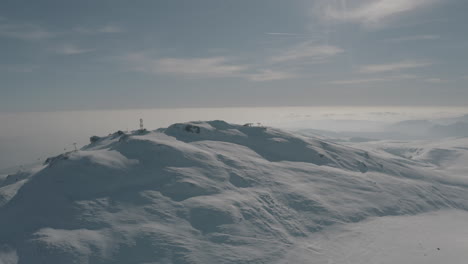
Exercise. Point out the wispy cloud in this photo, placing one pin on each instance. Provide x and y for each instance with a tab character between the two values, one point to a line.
373	80
33	32
283	34
414	38
23	31
435	80
191	67
110	29
69	49
18	68
358	81
98	30
369	12
307	51
391	67
215	66
271	68
270	75
210	67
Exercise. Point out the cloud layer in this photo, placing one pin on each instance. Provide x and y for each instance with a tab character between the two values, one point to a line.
192	67
69	49
391	67
307	51
23	31
276	66
369	12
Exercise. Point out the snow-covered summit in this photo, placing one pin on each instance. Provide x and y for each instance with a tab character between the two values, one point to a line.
205	192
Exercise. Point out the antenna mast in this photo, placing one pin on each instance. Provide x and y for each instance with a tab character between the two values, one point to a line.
141	124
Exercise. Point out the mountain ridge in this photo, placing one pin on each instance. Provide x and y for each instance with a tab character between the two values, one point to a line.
206	192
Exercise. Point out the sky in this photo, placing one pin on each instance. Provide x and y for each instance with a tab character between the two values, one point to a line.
58	55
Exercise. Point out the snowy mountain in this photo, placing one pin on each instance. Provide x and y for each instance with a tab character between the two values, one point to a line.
452	120
412	127
431	129
208	192
404	130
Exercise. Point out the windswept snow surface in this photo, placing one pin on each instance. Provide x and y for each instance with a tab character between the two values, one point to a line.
429	238
447	156
208	192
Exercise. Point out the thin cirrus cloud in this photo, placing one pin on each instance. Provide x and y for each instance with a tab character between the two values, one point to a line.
271	75
391	67
110	29
369	12
98	30
210	67
283	34
307	51
373	80
214	66
413	38
192	67
272	69
23	31
32	32
72	50
18	68
435	80
358	81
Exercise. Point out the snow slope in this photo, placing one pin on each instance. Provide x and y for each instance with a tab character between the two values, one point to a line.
207	192
429	238
446	156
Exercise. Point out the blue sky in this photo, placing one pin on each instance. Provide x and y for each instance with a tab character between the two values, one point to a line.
113	54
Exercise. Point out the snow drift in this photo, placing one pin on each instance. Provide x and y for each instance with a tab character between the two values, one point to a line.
206	192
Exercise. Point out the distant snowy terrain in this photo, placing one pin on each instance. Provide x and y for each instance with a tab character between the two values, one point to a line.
213	192
403	130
